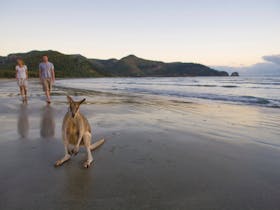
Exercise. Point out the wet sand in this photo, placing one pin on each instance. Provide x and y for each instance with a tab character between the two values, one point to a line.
159	154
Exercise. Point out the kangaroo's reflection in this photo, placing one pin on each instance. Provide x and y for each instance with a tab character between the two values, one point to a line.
73	187
23	122
47	122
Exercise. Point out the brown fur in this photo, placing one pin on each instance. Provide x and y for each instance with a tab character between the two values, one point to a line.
76	131
71	125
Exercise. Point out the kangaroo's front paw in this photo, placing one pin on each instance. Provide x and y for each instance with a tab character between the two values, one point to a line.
75	150
87	163
58	163
63	160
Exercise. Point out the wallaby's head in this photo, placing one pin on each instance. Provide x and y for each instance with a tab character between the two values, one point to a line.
74	105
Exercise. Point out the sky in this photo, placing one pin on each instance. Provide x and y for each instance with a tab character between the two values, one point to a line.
212	32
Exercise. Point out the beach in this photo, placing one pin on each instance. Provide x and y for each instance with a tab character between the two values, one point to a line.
159	152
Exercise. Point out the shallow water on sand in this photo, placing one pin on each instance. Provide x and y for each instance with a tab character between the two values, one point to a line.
232	122
160	153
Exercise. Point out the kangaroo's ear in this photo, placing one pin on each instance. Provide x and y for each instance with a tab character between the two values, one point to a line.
82	101
69	99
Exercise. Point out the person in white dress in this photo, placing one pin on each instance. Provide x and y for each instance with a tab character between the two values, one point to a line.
21	77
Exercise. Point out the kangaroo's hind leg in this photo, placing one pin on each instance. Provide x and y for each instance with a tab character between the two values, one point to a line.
87	143
66	157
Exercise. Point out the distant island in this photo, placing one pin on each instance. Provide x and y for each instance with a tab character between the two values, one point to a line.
70	66
234	74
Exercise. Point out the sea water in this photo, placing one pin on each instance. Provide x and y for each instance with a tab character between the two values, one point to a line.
255	91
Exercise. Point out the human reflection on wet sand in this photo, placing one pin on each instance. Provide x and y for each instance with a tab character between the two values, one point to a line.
47	129
23	122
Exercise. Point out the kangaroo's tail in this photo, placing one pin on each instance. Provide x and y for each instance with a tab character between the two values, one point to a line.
97	144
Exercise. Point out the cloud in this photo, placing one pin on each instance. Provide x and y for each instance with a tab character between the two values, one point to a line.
270	66
272	58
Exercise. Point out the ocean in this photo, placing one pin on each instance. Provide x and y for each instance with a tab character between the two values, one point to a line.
255	91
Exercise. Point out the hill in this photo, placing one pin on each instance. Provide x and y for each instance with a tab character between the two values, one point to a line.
80	66
138	67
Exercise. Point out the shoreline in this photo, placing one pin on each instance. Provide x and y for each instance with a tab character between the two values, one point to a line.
237	117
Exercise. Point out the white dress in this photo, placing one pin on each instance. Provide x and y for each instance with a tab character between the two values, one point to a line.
21	75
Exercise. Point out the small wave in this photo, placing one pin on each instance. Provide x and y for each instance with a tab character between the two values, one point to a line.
229	86
256	100
249	100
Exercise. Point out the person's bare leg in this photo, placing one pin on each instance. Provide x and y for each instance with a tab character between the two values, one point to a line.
47	92
21	93
25	94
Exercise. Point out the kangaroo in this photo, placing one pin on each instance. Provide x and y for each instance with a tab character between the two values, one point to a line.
76	131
